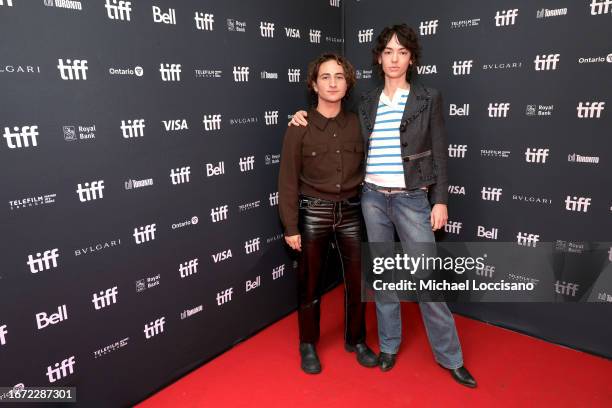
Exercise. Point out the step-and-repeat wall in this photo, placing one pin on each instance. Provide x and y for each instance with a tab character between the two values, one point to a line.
139	160
526	90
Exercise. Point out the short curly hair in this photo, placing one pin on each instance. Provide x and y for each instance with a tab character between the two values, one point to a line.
407	37
313	72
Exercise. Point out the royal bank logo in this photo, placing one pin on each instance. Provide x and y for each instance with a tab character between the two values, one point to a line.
90	191
457	151
536	155
546	62
148	283
133	184
499	154
187	223
365	36
190	312
144	234
271	118
472	22
175	125
363	74
293	74
428	27
577	158
35	201
235	25
462	67
545	13
453	227
208	73
61	370
505	17
599	7
204	21
427	69
21	137
241	74
590	110
212	122
132	128
220	213
43	261
249	206
105	298
273	198
578	204
154	328
188	268
527	239
111	348
251	245
170	72
498	109
118	9
74	133
539	110
314	36
272	159
266	30
571	247
168	17
19	69
136	71
246	163
491	193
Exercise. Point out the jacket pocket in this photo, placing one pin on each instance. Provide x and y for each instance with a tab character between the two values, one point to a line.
313	161
427	169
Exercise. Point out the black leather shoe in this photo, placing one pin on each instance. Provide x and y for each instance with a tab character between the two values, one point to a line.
462	376
310	360
386	361
365	356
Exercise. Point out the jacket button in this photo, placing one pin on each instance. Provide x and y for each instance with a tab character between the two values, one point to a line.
404	144
334	135
337	151
337	185
314	153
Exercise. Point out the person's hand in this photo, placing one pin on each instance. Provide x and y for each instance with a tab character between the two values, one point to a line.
294	241
299	119
439	216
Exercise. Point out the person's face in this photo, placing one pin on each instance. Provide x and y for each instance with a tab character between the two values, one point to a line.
395	59
331	82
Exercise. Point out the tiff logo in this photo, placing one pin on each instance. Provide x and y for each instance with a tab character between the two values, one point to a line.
241	74
144	234
462	67
273	199
180	175
294	74
90	191
43	320
271	117
132	128
505	17
44	261
491	193
212	122
498	110
118	10
9	3
154	328
3	333
266	29
487	271
600	7
565	288
453	227
204	21
219	213
225	296
314	36
458	151
72	70
278	272
428	27
105	298
188	268
590	109
546	62
21	137
61	370
334	3
170	72
364	36
251	246
525	239
246	163
577	203
533	155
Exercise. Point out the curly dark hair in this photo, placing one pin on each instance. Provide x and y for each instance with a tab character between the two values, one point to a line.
313	72
407	37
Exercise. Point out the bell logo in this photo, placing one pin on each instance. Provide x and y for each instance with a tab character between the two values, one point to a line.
225	296
241	74
118	9
491	193
483	233
273	199
533	155
73	70
132	128
165	18
90	191
600	7
577	203
105	298
498	110
188	268
144	234
455	110
254	284
505	17
462	67
219	213
154	328
364	36
590	109
21	136
43	321
428	27
293	74
204	21
546	62
44	261
61	370
266	29
180	175
170	72
525	239
212	170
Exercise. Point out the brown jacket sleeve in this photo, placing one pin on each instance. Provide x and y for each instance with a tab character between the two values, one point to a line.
289	179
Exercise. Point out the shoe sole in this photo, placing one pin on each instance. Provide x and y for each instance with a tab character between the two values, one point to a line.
311	371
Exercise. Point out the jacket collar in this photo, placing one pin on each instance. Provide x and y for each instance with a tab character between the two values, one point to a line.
321	121
417	103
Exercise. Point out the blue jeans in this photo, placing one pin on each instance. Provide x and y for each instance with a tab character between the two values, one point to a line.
408	213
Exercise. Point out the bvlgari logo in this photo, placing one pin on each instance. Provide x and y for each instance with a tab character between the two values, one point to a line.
531	199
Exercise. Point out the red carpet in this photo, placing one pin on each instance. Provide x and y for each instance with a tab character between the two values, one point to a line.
511	369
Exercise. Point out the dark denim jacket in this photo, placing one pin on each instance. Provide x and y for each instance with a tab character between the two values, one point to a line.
422	135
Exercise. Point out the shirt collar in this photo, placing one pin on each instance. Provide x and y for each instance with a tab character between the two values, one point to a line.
399	93
321	121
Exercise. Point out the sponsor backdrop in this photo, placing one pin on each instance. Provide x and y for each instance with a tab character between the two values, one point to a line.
139	158
526	88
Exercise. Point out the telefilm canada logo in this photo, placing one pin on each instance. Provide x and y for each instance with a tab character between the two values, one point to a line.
35	201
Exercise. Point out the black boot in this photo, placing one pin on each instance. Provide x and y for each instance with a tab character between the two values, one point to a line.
462	376
386	361
310	360
365	356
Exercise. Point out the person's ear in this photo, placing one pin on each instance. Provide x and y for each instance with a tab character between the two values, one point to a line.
315	87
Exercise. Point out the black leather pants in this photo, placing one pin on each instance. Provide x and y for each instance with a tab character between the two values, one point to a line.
320	221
